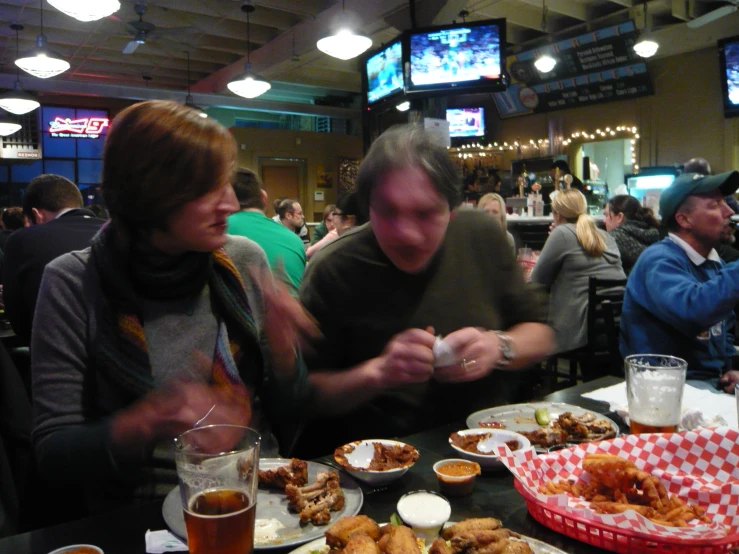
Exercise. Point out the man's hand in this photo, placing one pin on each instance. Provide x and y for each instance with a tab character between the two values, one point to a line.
407	358
728	380
479	351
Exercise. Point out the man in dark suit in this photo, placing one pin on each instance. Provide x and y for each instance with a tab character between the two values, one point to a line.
59	225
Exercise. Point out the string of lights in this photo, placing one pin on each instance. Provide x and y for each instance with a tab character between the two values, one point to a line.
476	149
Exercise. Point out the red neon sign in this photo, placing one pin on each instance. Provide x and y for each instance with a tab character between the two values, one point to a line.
88	127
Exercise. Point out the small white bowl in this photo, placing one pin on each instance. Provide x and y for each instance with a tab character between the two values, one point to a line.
425	512
86	548
361	457
497	437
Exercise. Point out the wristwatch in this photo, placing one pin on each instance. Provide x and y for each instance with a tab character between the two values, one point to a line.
507	353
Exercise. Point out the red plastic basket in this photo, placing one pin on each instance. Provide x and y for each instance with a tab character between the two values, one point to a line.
613	539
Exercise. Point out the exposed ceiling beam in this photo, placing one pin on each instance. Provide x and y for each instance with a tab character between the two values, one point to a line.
204	100
449	12
575	10
280	49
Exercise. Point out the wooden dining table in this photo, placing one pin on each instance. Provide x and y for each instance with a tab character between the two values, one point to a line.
122	531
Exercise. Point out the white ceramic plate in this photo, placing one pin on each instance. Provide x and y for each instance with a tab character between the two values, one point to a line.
520	417
320	545
498	436
272	505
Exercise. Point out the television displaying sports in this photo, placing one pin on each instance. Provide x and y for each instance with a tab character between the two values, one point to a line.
466	122
729	49
457	56
384	72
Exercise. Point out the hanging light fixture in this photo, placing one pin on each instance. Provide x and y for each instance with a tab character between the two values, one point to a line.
18	101
645	48
7	127
189	102
42	62
250	85
344	44
544	63
86	10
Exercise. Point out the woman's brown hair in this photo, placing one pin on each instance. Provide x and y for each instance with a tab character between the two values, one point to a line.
158	156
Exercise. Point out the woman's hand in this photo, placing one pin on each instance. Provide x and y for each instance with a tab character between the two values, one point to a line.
479	350
166	413
286	324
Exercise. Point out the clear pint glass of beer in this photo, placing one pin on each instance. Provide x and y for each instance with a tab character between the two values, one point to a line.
217	468
654	388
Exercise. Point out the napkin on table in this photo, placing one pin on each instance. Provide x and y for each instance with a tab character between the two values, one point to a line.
701	407
158	542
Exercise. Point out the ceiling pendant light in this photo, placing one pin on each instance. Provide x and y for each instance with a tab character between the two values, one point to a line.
18	101
87	10
250	85
7	126
189	102
646	48
42	62
344	44
544	63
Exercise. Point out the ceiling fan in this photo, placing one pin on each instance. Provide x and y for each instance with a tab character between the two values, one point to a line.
143	30
730	7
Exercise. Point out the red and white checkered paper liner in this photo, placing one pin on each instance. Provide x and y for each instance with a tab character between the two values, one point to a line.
700	467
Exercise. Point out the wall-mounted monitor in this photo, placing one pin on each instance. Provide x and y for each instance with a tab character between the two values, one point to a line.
384	72
466	122
468	56
729	54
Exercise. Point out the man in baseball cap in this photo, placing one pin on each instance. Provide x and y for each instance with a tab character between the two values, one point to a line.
680	296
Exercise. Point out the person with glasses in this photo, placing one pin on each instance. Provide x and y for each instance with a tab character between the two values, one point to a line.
383	292
326	225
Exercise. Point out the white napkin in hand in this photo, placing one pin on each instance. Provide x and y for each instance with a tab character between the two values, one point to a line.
163	541
443	353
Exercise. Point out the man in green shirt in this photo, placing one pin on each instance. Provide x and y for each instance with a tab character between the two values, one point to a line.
281	245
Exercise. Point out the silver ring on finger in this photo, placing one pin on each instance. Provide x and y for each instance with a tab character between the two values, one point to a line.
467	364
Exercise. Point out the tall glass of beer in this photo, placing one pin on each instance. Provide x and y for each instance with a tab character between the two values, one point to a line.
654	388
217	468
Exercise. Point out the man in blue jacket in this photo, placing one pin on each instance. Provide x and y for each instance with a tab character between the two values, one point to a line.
680	296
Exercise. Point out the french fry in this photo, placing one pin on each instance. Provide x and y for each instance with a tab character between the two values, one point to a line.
617	485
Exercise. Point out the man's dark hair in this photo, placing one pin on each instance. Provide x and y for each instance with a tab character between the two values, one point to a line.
276	204
697	165
402	147
13	219
348	205
562	165
248	189
52	193
287	206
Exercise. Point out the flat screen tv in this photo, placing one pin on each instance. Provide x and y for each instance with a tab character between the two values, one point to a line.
466	56
729	53
466	122
384	71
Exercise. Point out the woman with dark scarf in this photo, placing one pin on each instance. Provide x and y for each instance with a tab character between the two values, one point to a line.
163	324
632	226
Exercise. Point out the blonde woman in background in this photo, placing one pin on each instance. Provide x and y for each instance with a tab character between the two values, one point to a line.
575	250
494	205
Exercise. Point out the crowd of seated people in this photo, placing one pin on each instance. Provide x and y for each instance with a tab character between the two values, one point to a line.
183	308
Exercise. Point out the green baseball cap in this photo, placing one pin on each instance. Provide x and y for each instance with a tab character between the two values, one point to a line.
689	184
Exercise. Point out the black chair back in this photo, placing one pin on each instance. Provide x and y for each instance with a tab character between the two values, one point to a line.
602	355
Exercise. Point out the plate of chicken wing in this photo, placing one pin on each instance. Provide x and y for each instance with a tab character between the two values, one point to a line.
362	535
547	425
296	502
